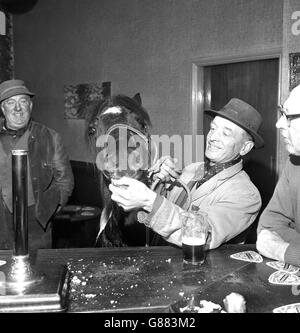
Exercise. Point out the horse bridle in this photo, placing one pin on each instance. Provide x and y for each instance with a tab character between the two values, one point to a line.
153	187
136	131
147	140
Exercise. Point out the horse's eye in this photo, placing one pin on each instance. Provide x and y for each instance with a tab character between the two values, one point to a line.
92	130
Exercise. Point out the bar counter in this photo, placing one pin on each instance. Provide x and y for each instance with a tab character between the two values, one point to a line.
153	279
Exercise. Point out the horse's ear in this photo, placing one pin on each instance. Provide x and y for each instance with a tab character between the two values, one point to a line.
138	99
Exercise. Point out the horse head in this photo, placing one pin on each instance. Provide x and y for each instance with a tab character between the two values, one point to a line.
118	129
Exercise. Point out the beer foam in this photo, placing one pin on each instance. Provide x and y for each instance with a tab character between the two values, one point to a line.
194	240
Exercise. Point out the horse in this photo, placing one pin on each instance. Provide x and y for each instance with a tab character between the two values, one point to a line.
119	132
111	123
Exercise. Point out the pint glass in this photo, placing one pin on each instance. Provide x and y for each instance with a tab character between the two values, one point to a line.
194	236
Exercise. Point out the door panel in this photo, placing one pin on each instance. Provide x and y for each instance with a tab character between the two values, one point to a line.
255	82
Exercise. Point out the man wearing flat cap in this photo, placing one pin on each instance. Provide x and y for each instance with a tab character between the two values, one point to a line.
50	177
220	187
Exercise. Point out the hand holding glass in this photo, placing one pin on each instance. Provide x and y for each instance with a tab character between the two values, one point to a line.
194	236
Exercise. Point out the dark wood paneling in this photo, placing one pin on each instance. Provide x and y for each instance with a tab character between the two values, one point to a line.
255	82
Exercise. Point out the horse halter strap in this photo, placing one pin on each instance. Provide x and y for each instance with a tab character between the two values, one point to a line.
136	131
128	127
104	218
148	142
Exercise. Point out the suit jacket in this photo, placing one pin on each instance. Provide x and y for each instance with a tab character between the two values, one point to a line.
229	198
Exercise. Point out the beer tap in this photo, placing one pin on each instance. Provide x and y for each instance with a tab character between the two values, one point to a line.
23	288
21	274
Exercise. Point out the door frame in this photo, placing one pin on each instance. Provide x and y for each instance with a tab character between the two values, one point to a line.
197	90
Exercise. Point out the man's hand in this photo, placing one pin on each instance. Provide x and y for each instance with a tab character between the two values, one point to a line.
164	169
130	194
271	245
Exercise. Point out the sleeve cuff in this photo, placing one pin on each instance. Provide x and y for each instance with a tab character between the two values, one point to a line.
144	217
292	255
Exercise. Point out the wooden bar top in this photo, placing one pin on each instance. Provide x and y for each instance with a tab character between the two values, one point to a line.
153	279
135	279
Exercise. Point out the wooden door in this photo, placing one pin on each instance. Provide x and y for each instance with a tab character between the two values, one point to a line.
255	82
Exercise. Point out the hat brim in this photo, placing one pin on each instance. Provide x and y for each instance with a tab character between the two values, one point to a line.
15	93
258	140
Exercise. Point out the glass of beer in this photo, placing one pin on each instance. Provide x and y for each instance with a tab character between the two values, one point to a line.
194	237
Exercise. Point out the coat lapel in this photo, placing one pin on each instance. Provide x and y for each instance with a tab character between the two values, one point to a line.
214	182
187	176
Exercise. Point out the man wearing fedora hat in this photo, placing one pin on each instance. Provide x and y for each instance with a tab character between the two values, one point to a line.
220	187
50	177
279	225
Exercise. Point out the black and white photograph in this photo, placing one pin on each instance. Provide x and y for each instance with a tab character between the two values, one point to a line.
149	160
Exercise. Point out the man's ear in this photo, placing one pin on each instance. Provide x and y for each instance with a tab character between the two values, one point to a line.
138	99
247	146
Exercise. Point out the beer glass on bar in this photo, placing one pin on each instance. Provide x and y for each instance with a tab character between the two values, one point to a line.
194	236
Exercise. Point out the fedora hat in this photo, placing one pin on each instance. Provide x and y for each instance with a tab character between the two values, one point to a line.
11	88
243	115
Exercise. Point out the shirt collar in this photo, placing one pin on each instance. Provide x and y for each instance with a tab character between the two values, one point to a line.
218	167
5	130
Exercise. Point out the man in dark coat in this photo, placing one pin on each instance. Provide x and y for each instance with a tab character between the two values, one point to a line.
50	177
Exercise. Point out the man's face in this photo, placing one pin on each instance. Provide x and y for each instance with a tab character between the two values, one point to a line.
290	127
289	123
225	140
17	111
